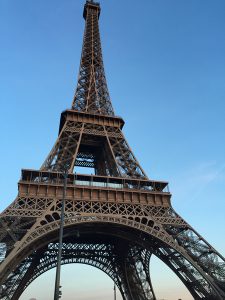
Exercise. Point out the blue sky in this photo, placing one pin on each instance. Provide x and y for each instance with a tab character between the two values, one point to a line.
165	66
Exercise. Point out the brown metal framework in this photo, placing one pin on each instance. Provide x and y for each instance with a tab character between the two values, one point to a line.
115	219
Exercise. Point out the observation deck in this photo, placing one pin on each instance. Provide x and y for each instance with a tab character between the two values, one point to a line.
94	188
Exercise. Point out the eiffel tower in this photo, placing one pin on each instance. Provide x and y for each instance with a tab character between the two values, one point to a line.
115	219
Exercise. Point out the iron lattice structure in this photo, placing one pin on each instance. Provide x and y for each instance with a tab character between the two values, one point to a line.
114	220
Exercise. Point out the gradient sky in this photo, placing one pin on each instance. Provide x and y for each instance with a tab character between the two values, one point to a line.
165	66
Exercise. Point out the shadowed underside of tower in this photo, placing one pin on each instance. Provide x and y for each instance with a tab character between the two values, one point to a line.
115	219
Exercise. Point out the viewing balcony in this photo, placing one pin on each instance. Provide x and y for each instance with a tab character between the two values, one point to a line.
120	183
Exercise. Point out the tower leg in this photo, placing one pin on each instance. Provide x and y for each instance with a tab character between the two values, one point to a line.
134	276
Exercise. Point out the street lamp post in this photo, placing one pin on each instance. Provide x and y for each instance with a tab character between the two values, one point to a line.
57	293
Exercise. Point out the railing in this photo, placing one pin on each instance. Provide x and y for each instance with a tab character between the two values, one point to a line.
100	184
57	178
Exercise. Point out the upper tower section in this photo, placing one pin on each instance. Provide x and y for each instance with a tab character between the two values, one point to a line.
92	93
91	5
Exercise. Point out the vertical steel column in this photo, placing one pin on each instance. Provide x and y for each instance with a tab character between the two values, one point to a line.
59	258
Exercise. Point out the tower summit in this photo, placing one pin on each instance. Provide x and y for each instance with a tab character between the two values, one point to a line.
92	93
115	219
91	5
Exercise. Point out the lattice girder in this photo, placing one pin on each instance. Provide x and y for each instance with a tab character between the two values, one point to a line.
132	216
77	139
159	221
104	255
201	252
92	92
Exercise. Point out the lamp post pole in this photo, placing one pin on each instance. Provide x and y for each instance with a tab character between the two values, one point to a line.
114	291
57	293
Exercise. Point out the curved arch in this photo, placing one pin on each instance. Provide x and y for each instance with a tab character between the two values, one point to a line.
42	232
105	267
156	232
106	260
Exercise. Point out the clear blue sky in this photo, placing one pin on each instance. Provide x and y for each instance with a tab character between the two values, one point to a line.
165	66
